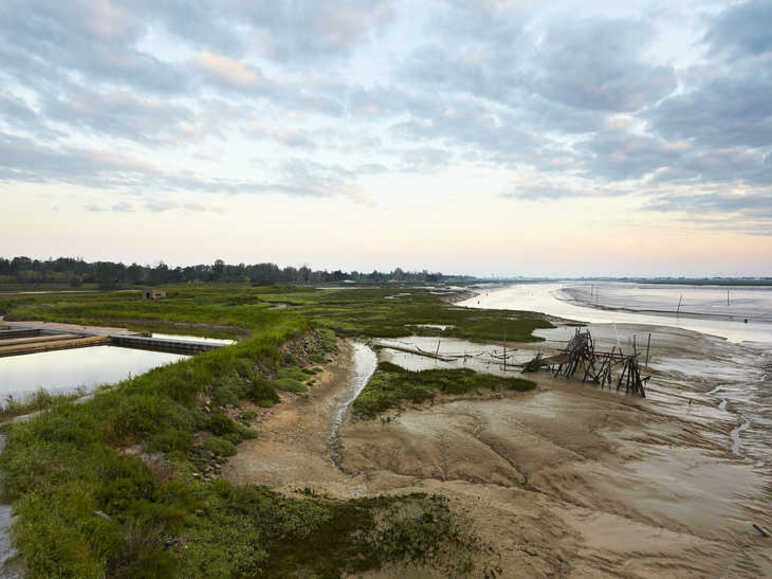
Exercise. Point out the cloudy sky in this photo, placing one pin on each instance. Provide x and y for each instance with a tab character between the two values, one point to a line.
497	136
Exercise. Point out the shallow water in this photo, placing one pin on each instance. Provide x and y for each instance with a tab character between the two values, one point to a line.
731	303
555	299
454	353
193	338
364	363
63	371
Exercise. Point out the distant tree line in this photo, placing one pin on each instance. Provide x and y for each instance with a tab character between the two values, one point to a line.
108	274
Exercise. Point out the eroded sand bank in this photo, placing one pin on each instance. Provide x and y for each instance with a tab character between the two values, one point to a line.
566	480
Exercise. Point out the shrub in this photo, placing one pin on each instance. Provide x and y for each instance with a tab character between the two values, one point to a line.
292	372
289	385
219	446
262	392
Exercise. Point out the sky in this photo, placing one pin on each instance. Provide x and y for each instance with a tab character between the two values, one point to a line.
496	137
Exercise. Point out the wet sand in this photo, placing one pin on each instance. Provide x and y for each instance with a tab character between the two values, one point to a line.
567	480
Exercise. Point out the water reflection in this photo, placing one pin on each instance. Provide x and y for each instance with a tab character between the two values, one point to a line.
65	370
193	338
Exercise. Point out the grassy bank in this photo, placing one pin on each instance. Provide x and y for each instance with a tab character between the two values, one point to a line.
120	485
35	402
112	486
392	385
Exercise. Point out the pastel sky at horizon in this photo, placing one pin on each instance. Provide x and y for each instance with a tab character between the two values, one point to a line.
497	137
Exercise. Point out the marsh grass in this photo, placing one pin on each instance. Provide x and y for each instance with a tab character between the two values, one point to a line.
391	385
233	311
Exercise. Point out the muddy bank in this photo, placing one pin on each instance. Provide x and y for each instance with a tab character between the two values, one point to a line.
297	444
576	481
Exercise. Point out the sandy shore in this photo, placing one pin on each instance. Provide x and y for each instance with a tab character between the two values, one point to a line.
567	480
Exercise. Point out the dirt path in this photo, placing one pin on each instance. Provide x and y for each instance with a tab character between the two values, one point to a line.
293	446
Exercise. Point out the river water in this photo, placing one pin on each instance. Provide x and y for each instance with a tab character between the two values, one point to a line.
703	308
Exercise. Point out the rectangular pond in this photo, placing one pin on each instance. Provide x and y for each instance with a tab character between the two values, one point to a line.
63	371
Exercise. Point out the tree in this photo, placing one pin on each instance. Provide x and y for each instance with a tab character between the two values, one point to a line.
218	269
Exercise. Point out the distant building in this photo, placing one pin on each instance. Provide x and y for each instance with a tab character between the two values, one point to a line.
153	294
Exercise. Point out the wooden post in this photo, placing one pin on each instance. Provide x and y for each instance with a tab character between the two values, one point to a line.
648	345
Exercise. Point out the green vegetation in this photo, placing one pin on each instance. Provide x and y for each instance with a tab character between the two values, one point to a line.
252	531
88	503
391	385
235	310
36	402
117	485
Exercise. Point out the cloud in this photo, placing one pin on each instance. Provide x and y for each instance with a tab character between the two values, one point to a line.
96	40
738	209
118	113
24	160
600	65
228	70
426	159
742	28
179	97
729	110
123	207
305	31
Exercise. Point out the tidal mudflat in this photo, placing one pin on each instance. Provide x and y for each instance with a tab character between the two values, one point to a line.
566	479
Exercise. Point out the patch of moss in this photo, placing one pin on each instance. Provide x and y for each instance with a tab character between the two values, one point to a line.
253	531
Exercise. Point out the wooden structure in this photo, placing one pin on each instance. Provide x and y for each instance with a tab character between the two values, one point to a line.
15	341
581	357
153	294
163	344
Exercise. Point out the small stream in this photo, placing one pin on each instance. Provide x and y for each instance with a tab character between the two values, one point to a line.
735	434
364	365
741	397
